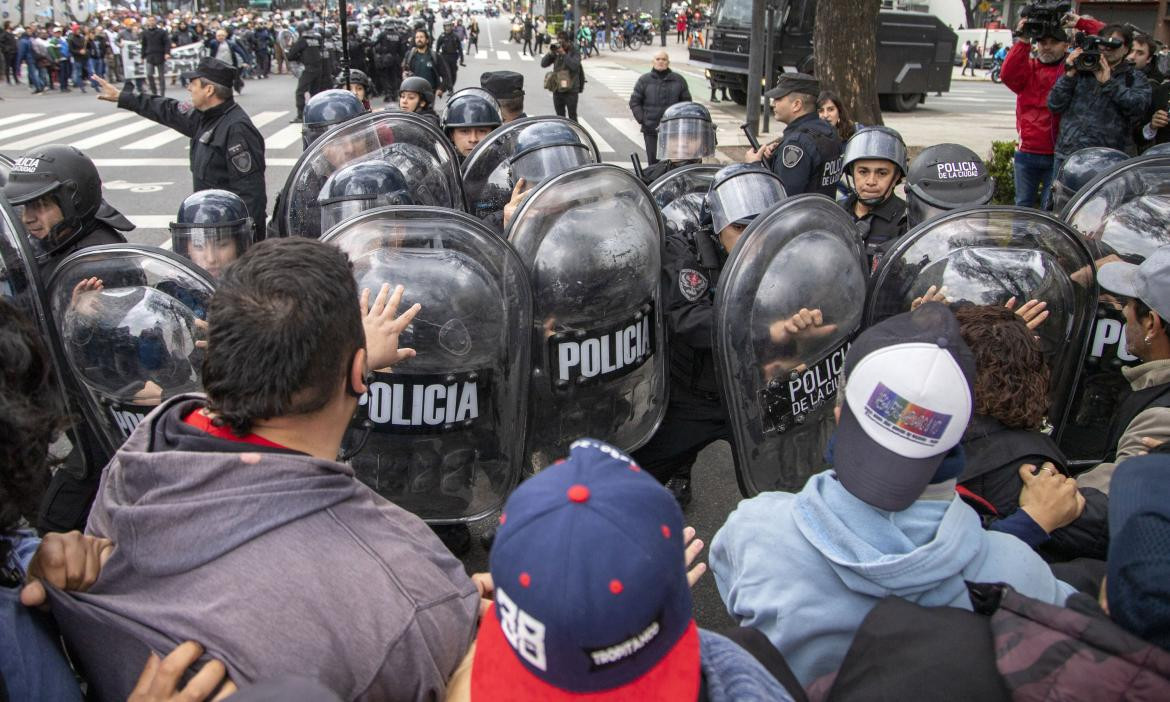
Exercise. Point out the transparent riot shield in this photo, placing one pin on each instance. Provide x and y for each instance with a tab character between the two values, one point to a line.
591	239
131	321
789	301
80	449
988	255
680	194
1124	210
410	143
487	178
445	429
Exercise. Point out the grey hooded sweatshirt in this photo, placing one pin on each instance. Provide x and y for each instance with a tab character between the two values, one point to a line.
278	563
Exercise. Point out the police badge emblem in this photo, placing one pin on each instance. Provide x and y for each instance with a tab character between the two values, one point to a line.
241	158
791	156
692	284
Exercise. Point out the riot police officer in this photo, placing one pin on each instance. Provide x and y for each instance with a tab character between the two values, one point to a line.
686	135
388	52
808	157
450	50
470	116
945	177
875	162
327	109
58	193
696	415
418	95
542	151
361	186
1078	169
309	50
213	228
359	85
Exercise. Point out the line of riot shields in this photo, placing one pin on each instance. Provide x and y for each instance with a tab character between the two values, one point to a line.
554	327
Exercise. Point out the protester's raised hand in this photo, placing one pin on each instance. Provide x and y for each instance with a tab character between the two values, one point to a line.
1049	497
159	681
383	326
806	322
71	561
1033	312
518	194
106	91
693	547
933	294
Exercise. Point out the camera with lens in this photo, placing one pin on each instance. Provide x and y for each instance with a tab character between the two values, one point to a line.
1043	19
1091	46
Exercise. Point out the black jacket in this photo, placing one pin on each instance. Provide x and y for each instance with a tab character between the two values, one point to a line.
882	226
99	233
653	93
691	266
569	61
308	49
1099	115
808	159
156	43
227	151
426	64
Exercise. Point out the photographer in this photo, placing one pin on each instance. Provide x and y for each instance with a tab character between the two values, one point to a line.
1101	96
1031	79
566	80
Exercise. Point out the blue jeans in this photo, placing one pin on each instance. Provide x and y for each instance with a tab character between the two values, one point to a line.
81	72
97	68
34	74
1033	173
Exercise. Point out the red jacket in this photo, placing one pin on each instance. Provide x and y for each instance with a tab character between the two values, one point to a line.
1031	81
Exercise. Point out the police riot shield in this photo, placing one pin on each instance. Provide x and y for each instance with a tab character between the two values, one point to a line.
591	239
131	321
444	431
1122	214
789	301
487	174
987	255
410	143
80	449
680	194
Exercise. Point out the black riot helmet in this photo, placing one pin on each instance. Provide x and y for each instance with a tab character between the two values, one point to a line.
326	109
471	107
1162	149
1078	169
213	228
358	187
546	149
945	177
685	133
873	144
741	191
70	178
422	86
356	77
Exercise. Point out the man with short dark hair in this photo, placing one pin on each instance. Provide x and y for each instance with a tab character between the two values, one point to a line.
237	527
156	49
809	155
227	151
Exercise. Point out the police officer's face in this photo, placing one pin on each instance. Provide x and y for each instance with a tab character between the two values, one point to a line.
200	93
787	108
873	178
408	101
465	138
358	90
213	255
41	215
730	235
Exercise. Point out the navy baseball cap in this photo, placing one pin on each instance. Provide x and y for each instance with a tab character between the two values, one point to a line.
591	594
1138	582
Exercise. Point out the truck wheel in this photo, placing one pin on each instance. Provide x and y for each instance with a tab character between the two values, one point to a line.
906	102
740	96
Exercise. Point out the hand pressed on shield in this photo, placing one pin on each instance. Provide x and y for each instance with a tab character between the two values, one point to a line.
805	323
83	286
518	194
1049	497
383	328
487	590
1033	312
933	294
106	91
71	561
160	679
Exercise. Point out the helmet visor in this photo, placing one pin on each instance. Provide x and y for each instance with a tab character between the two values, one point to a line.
742	197
539	165
919	210
212	248
685	139
334	213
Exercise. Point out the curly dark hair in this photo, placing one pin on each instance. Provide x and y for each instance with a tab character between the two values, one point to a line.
31	417
1011	376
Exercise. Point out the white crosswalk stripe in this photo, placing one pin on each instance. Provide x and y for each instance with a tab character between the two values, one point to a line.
20	117
114	134
58	135
527	57
284	138
154	141
602	145
41	124
262	118
628	127
620	80
503	56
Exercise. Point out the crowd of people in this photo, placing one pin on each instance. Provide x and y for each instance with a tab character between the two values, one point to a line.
920	532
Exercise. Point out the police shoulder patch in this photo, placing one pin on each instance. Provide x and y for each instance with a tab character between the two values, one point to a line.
790	155
692	284
240	157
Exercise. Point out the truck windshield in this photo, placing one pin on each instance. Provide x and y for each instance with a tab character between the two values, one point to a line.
733	13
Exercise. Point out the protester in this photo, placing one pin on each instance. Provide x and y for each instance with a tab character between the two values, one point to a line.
653	93
871	526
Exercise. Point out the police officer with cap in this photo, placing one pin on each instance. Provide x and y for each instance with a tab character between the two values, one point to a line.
327	109
808	157
470	116
945	177
212	229
507	87
875	162
58	195
226	150
692	262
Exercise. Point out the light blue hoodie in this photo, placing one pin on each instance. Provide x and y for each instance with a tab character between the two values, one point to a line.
806	568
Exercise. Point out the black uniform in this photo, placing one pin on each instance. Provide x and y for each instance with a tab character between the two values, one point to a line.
450	49
388	54
882	226
97	233
658	169
695	416
226	151
309	50
809	158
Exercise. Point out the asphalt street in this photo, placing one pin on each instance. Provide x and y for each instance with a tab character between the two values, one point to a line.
144	169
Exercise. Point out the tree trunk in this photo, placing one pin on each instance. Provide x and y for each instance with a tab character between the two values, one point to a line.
845	47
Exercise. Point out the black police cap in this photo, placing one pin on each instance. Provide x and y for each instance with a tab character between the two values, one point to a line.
502	84
213	71
794	83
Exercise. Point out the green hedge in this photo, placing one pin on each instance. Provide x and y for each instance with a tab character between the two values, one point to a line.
1001	166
